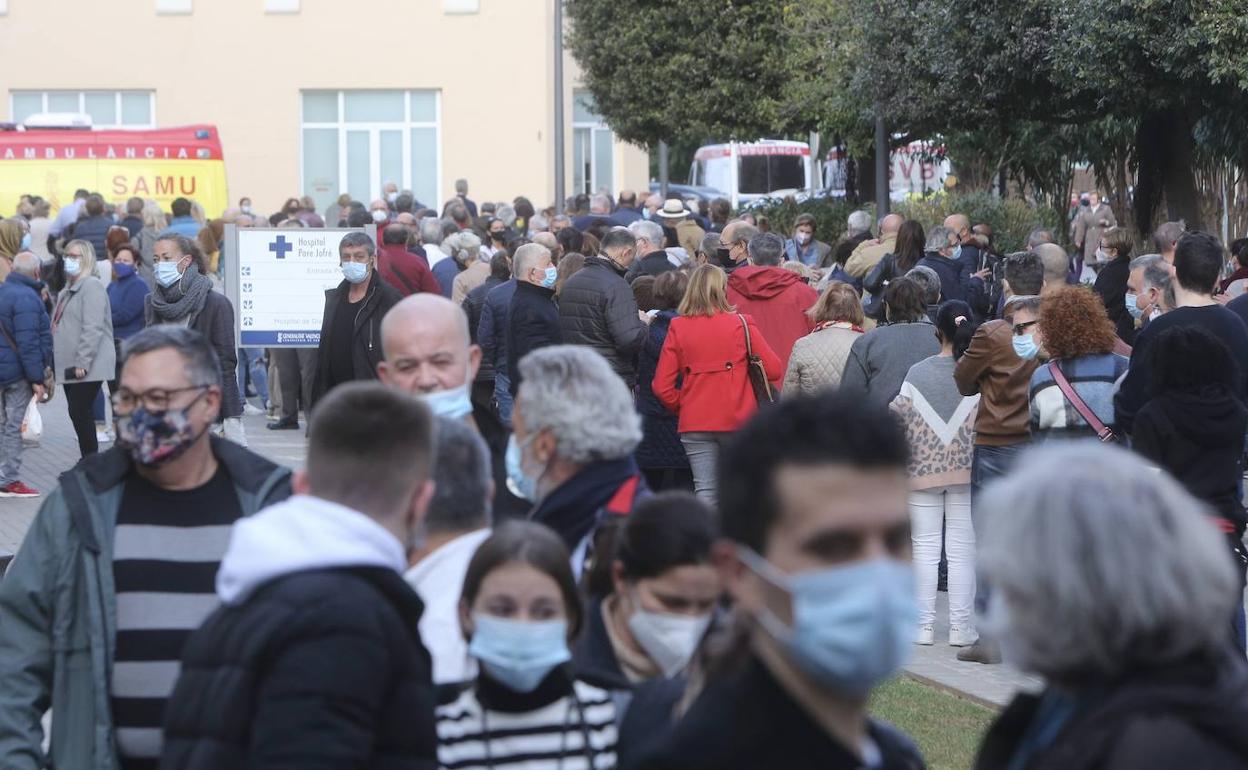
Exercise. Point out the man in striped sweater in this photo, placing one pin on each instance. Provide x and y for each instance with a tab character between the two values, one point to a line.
119	566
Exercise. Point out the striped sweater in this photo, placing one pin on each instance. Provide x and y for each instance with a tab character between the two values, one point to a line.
550	736
939	423
166	552
1095	378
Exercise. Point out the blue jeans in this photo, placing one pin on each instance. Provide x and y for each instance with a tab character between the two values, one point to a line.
502	394
252	367
14	399
988	463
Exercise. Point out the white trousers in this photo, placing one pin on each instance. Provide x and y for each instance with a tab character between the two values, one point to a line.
929	508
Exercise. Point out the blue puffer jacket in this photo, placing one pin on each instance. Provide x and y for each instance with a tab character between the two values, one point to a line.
25	319
126	299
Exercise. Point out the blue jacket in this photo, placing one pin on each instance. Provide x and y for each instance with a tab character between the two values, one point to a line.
26	320
185	226
445	271
94	230
126	298
491	330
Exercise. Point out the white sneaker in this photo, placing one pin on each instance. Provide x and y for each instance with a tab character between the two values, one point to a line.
926	635
102	437
962	636
251	410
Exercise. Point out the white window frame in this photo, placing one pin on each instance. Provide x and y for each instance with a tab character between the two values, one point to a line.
82	104
593	127
374	128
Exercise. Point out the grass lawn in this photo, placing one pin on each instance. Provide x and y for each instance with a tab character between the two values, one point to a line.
947	728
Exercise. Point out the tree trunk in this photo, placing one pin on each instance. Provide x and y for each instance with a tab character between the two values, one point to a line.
1178	171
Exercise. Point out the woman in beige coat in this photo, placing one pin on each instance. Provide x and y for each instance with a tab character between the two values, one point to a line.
818	359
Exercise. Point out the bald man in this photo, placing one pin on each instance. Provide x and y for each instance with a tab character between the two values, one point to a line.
869	253
427	351
1056	265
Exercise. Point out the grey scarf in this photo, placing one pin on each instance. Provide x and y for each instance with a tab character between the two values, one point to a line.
181	302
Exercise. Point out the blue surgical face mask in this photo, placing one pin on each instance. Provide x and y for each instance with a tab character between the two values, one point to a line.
72	266
552	274
453	404
167	273
354	272
519	654
1133	306
25	242
1025	346
957	252
523	485
853	625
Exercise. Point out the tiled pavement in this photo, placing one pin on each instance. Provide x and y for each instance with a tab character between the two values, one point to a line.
58	451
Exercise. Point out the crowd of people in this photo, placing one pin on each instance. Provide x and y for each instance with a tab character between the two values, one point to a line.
620	484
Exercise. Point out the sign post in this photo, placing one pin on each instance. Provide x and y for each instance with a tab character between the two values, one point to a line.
277	281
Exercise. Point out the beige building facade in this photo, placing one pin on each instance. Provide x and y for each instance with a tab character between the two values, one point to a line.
319	97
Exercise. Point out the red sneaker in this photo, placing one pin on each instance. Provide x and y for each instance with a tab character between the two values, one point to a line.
18	489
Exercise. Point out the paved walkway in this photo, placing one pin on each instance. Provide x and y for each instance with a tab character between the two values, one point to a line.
58	451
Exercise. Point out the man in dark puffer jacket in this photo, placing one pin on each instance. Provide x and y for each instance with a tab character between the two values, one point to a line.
315	660
597	308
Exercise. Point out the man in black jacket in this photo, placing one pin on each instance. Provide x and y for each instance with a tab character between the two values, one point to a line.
314	659
533	318
597	308
350	346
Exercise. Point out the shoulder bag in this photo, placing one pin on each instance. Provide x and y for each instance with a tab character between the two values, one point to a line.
755	369
1103	431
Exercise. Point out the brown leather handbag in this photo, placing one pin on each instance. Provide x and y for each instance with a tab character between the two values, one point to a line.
757	372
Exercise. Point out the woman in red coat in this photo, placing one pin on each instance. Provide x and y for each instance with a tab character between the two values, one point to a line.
702	374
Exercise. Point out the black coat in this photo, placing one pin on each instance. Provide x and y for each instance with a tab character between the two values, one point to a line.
744	720
1199	440
1111	286
473	304
1186	715
317	669
366	339
532	323
955	281
660	445
597	309
653	264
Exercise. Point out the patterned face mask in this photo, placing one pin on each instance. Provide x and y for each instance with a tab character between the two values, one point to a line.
155	438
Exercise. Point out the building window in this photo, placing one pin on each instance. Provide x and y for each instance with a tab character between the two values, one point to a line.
357	141
593	143
108	109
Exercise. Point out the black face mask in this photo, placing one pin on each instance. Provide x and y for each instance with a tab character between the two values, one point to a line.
724	257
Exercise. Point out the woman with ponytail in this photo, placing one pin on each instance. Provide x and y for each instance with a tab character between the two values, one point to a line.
940	427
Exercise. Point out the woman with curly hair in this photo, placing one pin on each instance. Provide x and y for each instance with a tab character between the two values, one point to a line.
1074	332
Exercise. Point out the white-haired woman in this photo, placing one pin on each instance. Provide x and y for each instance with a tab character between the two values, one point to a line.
465	248
82	340
1108	579
154	223
572	450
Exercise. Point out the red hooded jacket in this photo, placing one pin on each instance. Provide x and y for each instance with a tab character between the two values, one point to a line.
777	300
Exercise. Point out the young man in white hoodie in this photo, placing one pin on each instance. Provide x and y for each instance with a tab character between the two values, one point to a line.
315	658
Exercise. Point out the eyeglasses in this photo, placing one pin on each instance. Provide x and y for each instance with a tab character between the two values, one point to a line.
1020	329
154	400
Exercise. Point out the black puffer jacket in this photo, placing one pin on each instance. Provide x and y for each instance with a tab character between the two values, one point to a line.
1185	715
366	339
317	669
532	323
597	309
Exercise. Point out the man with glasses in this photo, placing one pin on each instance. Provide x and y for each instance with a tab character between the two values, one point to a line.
120	564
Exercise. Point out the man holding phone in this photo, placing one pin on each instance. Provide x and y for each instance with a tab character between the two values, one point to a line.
25	353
